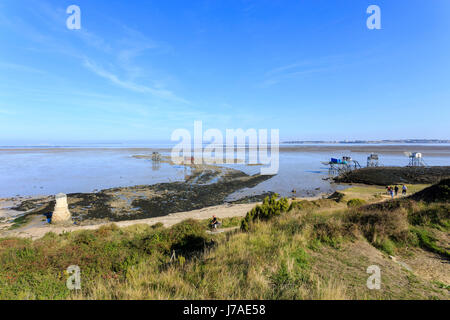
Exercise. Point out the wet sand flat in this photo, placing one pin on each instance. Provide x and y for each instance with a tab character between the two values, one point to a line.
437	149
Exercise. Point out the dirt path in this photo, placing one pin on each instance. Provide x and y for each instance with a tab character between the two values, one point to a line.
217	231
37	228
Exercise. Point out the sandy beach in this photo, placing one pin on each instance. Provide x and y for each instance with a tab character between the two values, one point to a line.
38	227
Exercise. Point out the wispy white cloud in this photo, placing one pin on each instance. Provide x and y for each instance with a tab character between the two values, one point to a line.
121	52
113	78
273	80
288	67
305	67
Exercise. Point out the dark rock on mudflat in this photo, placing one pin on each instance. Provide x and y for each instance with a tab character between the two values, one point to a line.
395	175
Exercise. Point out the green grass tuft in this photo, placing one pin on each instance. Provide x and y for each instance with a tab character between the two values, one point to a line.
428	241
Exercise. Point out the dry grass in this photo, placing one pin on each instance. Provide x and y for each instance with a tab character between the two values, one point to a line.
276	260
316	250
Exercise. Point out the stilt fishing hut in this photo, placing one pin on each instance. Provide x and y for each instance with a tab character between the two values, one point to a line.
373	160
338	166
415	159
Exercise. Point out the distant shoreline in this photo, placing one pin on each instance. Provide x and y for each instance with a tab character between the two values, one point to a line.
169	145
285	146
401	141
428	150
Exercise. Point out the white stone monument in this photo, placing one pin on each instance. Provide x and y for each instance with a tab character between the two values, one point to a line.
61	213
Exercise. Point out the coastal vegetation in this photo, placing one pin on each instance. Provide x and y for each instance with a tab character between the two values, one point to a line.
352	203
299	250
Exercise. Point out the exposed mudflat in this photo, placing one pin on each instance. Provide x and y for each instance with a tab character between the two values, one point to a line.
395	175
205	186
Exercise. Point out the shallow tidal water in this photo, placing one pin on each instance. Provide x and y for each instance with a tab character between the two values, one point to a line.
47	172
36	171
304	172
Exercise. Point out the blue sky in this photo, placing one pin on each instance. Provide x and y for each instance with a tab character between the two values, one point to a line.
137	70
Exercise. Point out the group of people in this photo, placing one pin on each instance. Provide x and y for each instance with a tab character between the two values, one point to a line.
393	191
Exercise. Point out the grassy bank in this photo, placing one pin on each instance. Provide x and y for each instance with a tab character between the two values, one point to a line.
305	250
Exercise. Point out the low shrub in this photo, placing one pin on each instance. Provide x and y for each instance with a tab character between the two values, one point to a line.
432	215
311	205
333	231
106	230
354	203
157	225
271	207
85	238
378	226
187	237
387	246
337	196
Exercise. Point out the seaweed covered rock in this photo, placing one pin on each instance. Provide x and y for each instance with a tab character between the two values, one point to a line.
384	176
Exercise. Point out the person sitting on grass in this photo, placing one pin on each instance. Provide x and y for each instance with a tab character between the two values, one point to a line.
215	223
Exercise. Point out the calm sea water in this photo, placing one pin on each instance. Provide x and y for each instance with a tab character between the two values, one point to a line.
305	173
37	171
44	172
